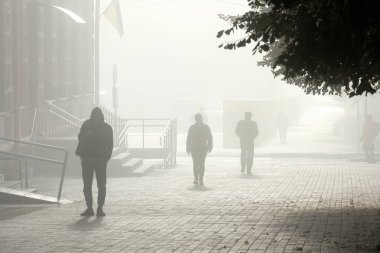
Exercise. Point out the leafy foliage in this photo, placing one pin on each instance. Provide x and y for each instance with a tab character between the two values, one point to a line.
323	46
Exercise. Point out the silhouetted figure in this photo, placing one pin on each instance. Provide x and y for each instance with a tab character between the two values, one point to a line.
247	131
282	123
95	149
370	130
199	142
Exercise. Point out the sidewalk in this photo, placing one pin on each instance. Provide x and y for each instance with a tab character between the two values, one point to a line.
289	205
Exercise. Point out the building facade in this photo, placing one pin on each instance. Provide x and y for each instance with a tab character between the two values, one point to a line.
44	56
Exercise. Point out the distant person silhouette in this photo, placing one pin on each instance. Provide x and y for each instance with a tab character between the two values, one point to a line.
282	123
370	131
247	131
199	143
95	149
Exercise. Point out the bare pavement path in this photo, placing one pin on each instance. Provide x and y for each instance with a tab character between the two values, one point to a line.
292	205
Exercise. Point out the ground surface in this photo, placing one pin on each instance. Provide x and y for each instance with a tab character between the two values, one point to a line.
287	205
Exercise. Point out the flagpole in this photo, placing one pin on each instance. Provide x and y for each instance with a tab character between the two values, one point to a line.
96	76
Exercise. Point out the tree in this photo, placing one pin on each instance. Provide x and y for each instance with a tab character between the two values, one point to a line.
322	46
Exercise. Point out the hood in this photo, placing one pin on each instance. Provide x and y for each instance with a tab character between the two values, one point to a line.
97	115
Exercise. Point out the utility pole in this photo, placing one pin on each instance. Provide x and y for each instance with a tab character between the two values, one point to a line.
96	77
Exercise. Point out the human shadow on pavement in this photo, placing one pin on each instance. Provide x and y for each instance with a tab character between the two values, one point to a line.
199	188
87	223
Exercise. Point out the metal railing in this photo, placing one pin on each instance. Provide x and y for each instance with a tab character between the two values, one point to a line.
19	163
59	122
123	137
123	132
43	159
65	123
167	137
118	125
168	142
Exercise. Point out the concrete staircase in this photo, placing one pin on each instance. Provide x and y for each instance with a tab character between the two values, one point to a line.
126	165
122	164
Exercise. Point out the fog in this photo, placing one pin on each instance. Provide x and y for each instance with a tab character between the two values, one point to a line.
169	66
192	147
169	58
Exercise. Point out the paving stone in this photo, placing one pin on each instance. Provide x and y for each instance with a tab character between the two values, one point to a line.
288	205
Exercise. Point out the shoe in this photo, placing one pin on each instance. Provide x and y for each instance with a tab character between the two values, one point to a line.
100	213
249	173
195	182
201	183
88	212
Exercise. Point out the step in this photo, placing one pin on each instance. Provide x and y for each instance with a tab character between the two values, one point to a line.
133	164
11	184
143	170
11	196
125	169
2	178
119	159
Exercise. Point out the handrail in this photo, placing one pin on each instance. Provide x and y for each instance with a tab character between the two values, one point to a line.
122	127
63	163
34	123
66	123
125	128
61	117
168	143
63	111
33	144
123	136
32	157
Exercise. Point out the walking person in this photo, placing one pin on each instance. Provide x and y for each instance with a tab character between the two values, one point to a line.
199	143
370	131
282	123
247	131
95	149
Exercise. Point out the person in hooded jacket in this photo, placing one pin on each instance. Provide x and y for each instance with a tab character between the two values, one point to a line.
199	143
95	150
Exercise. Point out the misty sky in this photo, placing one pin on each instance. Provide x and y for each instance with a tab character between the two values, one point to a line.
169	54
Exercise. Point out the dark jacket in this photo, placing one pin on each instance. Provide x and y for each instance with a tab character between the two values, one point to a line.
95	139
247	130
199	137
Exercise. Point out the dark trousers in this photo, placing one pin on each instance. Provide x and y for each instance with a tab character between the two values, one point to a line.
199	159
246	156
89	165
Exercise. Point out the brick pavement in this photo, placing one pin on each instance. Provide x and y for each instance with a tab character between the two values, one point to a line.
287	206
